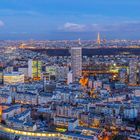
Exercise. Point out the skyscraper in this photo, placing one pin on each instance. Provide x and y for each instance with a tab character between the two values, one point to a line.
133	67
34	69
76	62
123	75
138	73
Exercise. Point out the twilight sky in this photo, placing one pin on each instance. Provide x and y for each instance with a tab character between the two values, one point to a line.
69	19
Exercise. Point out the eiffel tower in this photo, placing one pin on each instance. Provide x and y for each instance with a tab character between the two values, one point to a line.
98	40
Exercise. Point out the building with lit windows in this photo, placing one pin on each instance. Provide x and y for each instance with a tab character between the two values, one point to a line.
76	62
57	72
133	67
123	75
5	98
61	72
138	73
13	78
34	69
26	98
1	74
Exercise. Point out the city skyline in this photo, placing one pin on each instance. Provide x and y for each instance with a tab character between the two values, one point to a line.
52	19
69	70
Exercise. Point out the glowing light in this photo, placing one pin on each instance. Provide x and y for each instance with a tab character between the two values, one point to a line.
114	64
61	129
83	81
28	133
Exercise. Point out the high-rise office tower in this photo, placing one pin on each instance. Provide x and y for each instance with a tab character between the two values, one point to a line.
1	73
76	62
133	67
138	74
34	69
123	75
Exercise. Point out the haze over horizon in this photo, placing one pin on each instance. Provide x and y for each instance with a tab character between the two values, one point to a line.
61	19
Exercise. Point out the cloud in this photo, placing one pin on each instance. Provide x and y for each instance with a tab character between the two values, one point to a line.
1	23
73	27
124	26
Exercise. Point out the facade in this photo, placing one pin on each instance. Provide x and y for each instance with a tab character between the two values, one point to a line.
123	75
23	70
44	98
138	73
51	70
46	76
11	111
76	61
26	98
61	72
69	77
57	72
13	78
5	98
97	84
134	137
34	69
1	74
130	112
133	64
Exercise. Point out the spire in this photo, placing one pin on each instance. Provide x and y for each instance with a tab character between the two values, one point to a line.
79	41
98	39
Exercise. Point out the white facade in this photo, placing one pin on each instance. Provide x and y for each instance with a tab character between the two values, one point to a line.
69	77
5	98
42	99
137	92
76	61
10	112
30	68
34	68
23	70
13	78
133	72
61	72
26	98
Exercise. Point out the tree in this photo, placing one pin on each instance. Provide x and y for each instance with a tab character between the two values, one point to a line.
4	138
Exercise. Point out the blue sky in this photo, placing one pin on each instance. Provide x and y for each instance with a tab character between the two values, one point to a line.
54	19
